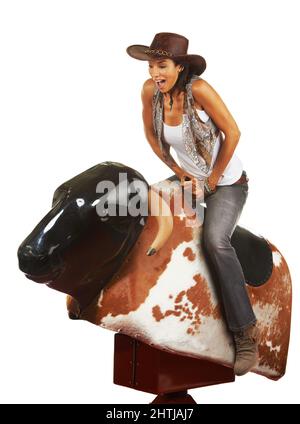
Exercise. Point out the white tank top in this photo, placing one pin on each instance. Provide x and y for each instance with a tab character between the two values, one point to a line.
173	136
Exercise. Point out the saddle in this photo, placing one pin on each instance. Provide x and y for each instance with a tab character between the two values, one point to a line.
253	251
255	255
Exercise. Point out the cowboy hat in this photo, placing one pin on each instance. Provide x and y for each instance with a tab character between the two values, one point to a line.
171	46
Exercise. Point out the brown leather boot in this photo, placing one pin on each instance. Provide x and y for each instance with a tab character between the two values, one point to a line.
246	349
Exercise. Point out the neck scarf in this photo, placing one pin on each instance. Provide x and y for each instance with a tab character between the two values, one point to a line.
198	137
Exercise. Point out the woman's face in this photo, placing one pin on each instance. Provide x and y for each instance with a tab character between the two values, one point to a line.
164	72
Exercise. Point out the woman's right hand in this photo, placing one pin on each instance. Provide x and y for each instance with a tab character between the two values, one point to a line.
189	182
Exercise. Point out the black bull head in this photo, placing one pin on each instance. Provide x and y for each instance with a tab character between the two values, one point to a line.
76	248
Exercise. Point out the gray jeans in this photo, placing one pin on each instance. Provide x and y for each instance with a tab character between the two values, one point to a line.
223	209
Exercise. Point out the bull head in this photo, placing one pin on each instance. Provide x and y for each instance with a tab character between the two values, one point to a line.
77	247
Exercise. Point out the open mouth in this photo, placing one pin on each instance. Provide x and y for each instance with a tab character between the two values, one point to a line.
45	278
160	83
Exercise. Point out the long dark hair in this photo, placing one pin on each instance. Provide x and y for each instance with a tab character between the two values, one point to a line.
184	78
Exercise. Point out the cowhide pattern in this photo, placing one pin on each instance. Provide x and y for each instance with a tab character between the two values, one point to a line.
169	300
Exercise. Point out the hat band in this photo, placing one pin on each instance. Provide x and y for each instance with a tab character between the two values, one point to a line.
160	52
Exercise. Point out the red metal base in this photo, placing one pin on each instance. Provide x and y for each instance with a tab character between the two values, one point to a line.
176	397
142	367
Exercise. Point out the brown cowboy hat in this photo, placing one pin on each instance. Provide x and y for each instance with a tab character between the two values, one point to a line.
171	46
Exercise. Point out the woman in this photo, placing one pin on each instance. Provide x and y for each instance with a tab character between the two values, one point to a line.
183	111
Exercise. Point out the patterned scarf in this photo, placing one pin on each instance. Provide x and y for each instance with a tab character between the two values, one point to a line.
199	138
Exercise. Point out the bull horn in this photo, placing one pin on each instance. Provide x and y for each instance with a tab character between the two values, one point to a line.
159	208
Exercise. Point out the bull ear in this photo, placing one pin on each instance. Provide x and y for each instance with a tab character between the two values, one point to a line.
59	193
164	217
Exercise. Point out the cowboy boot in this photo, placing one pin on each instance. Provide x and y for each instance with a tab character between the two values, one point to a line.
246	349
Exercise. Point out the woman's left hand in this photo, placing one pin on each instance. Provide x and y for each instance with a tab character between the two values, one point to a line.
212	182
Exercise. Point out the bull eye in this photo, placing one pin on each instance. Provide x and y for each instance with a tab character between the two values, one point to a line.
80	202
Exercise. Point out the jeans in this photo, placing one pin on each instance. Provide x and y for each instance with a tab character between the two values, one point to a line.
223	209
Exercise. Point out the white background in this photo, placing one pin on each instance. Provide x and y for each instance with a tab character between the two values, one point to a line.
70	98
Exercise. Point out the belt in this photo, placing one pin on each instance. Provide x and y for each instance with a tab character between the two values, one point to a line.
243	179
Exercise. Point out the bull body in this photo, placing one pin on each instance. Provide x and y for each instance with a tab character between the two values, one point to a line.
168	300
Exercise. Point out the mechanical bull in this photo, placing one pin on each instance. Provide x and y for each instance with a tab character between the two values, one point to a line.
168	300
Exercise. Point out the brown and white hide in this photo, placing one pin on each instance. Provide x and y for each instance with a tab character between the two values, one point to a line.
169	300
